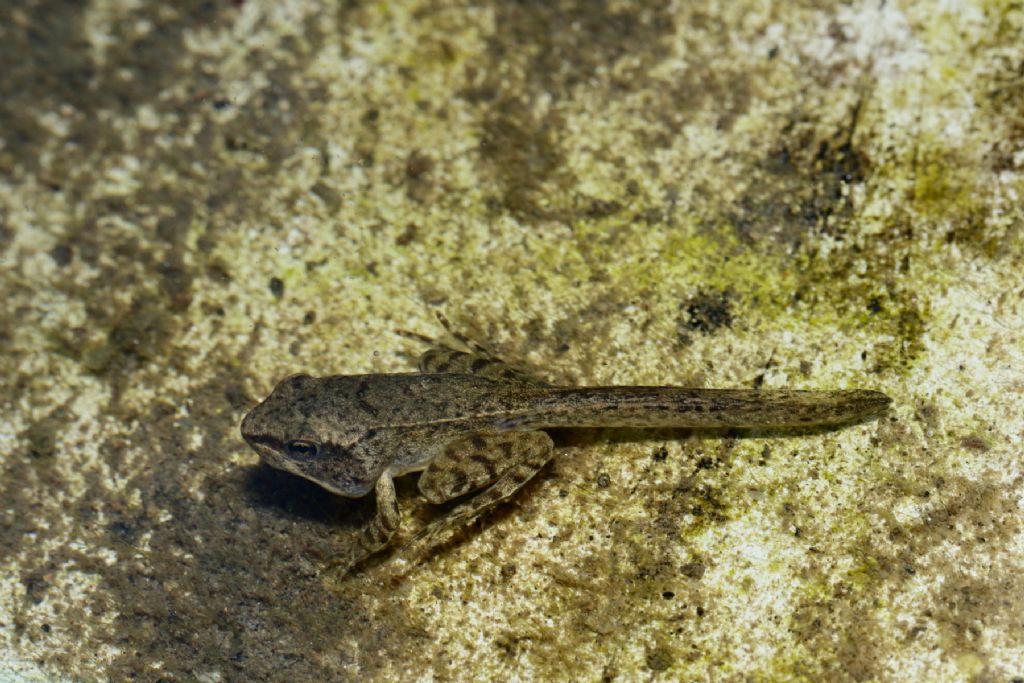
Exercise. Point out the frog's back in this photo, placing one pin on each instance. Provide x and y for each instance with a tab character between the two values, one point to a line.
410	399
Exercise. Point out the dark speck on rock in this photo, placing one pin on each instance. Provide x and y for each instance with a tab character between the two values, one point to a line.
123	532
277	287
36	586
234	394
692	570
603	480
659	659
61	254
974	443
408	235
417	165
705	312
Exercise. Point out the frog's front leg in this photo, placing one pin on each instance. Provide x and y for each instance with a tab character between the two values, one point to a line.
505	460
383	526
387	519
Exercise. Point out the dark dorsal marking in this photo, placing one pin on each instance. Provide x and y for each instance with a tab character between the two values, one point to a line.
362	402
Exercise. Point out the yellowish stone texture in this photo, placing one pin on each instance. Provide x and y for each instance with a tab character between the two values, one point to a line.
198	199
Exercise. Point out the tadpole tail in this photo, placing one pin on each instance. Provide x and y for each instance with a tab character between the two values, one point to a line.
705	408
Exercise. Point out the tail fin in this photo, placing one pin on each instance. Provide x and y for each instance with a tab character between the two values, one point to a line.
703	408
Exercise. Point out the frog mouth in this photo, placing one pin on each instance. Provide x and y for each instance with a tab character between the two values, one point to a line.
269	454
272	458
285	465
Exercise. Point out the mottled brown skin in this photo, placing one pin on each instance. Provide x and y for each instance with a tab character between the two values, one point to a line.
469	421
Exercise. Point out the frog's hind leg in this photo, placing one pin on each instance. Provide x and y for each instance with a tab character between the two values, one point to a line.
505	460
478	360
471	462
442	359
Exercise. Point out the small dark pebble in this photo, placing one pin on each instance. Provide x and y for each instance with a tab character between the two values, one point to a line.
61	254
668	595
277	287
603	480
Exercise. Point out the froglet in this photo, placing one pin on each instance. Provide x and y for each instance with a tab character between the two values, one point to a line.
472	423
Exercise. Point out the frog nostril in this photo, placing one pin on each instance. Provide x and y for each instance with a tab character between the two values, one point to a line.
247	425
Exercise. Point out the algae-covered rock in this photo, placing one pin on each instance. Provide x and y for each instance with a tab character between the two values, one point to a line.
198	199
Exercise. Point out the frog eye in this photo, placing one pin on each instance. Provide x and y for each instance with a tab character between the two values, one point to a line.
301	450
